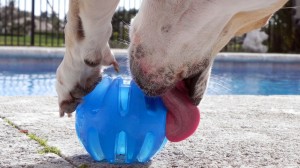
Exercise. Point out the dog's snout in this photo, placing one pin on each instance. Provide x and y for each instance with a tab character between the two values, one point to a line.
137	52
139	65
136	39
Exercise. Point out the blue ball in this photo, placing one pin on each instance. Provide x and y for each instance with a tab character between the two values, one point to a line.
116	122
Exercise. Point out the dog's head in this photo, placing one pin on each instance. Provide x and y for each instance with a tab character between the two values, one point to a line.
173	44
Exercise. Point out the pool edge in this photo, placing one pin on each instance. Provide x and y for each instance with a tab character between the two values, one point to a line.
55	52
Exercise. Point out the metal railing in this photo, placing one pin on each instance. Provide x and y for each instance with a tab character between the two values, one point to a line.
41	23
32	22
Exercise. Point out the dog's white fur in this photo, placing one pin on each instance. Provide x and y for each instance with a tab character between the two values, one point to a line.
171	40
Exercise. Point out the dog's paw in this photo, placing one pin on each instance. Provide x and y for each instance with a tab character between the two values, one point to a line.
71	90
78	77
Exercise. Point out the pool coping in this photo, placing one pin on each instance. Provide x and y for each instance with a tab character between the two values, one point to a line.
47	52
261	57
41	52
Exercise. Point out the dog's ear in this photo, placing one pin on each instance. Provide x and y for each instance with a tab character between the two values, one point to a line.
248	18
252	25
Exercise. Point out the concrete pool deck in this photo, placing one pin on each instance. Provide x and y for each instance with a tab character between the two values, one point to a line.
235	131
47	52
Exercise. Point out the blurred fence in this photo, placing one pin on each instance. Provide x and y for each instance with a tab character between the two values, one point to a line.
41	23
32	22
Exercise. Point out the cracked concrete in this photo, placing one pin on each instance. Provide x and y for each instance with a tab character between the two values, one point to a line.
17	150
235	131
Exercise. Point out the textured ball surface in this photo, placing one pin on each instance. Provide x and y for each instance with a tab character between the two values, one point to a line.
116	122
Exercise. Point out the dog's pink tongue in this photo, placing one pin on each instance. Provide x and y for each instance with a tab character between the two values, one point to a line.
183	116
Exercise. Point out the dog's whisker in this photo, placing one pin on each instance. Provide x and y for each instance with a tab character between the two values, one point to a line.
221	80
124	41
213	90
127	24
223	86
126	44
221	83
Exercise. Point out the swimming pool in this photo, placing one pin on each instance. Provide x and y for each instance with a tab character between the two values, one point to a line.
231	75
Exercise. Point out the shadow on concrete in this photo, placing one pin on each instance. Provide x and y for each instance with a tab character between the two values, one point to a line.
86	160
80	161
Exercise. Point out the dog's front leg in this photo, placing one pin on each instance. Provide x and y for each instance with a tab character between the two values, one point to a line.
87	33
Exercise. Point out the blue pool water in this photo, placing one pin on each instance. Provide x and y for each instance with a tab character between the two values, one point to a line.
20	77
255	78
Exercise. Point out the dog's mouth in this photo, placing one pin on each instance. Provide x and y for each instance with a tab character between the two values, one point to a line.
183	116
181	99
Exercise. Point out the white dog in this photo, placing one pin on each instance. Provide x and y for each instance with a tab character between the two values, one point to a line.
173	44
